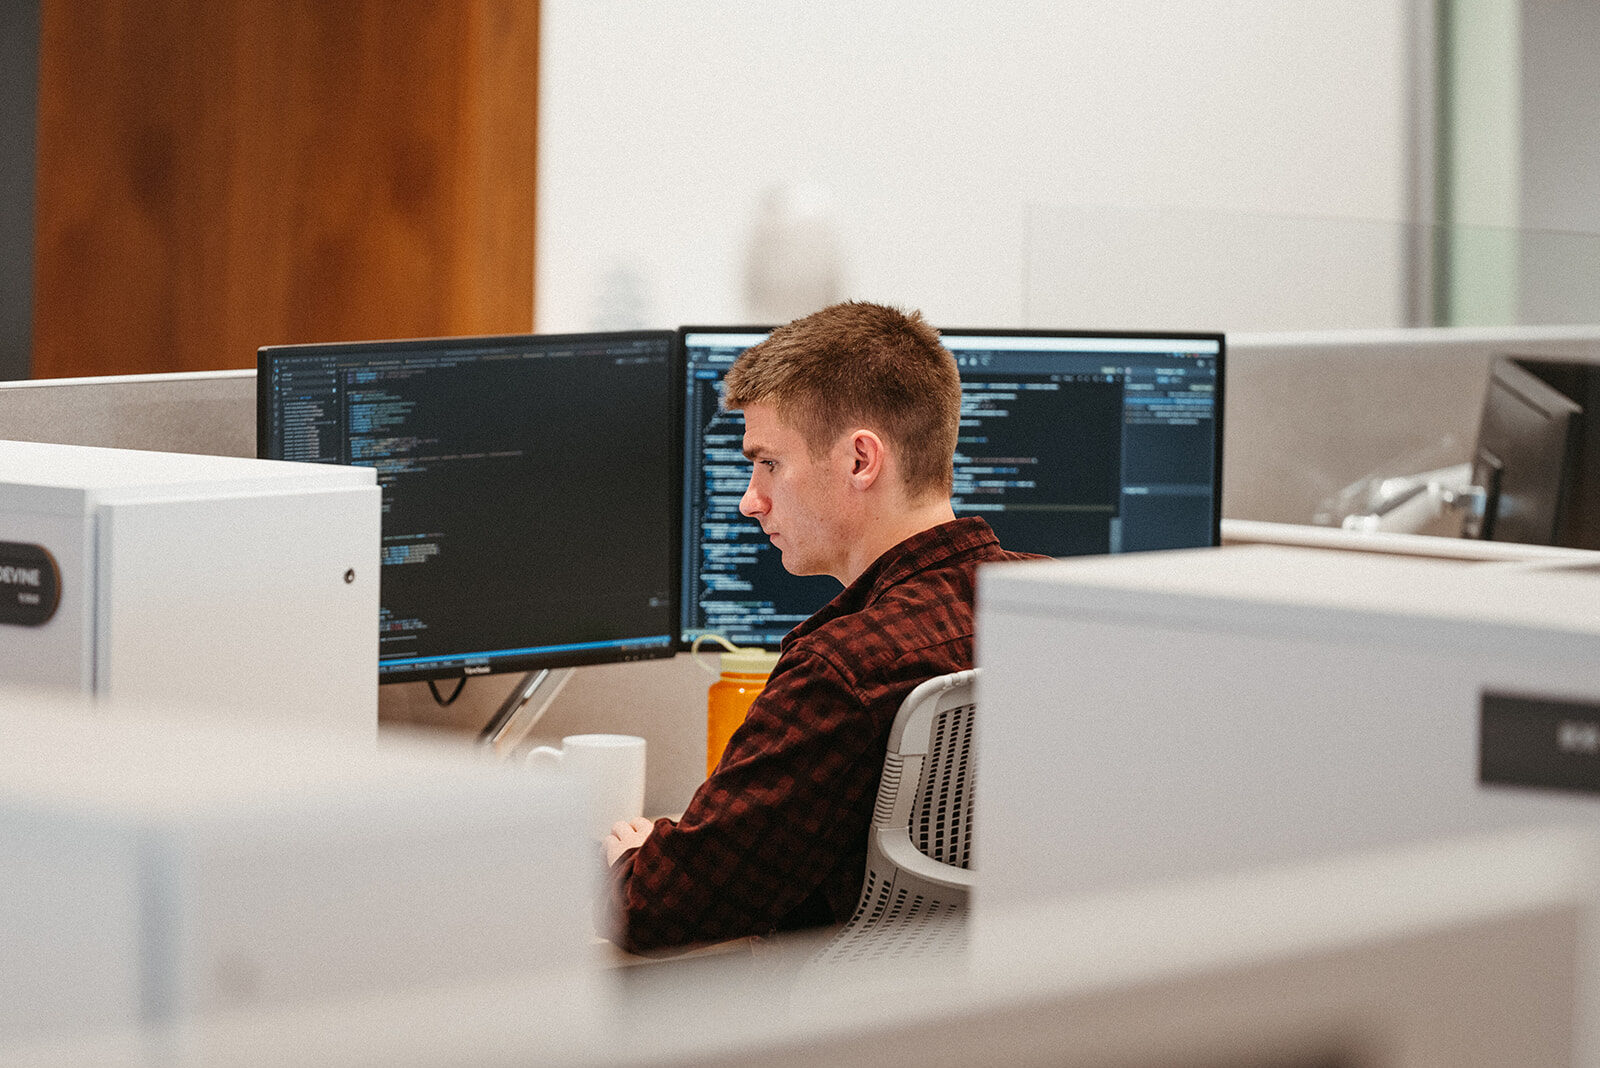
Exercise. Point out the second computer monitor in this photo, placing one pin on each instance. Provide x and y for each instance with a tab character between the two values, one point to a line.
529	490
1071	443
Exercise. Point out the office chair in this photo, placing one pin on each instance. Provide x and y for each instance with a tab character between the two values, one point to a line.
919	849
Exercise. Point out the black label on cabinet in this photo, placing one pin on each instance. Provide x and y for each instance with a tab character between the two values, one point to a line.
1539	742
30	584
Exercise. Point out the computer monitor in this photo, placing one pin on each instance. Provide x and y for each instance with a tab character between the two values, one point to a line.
530	487
1071	442
1528	455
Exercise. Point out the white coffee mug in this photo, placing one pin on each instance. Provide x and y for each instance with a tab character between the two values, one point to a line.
611	768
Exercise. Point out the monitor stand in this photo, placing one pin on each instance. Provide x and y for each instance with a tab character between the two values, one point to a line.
513	721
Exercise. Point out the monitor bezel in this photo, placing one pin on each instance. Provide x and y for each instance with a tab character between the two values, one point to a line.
663	645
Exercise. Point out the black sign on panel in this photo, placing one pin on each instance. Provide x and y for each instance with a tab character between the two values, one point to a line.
30	584
1539	742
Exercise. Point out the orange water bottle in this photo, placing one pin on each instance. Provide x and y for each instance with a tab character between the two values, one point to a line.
744	673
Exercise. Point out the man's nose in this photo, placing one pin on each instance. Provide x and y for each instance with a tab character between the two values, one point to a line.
752	503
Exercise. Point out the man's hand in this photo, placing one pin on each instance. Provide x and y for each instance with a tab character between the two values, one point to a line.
625	835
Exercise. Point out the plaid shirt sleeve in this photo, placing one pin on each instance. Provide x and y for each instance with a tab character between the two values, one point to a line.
784	812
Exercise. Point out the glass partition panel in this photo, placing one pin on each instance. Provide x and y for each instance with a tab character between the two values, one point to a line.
1125	268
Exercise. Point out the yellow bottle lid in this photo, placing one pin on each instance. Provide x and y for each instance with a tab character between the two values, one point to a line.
749	661
739	660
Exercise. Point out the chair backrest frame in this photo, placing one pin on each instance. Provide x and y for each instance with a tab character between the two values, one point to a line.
926	791
914	898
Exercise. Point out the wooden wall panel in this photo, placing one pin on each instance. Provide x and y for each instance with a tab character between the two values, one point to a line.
215	175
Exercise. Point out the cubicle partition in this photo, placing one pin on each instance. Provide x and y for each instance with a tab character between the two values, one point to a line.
1310	413
1179	715
207	412
163	869
1361	961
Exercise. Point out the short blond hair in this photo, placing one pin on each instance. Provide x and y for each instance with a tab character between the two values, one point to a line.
860	364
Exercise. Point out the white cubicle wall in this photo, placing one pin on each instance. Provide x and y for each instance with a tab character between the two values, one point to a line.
1212	710
1461	955
160	870
247	584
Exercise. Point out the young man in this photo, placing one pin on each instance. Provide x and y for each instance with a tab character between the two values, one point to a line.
850	417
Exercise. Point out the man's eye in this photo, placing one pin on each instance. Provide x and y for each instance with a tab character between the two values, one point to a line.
768	464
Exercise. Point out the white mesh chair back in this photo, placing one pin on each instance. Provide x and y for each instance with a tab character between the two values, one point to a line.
919	850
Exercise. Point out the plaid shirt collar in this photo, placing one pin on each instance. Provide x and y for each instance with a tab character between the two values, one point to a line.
933	547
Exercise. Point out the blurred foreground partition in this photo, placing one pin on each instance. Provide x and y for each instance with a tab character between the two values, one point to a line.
1474	953
161	872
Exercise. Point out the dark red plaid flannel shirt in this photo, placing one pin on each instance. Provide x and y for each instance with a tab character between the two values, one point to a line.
776	838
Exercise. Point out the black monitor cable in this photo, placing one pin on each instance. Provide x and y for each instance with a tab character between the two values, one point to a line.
433	688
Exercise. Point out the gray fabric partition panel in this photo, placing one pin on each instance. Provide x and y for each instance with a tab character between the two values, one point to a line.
206	412
1307	414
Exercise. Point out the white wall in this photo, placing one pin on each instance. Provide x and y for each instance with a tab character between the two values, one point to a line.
983	162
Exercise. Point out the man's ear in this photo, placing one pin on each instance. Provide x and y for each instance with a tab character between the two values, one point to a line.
867	458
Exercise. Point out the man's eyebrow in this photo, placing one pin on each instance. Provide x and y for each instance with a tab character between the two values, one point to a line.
753	451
